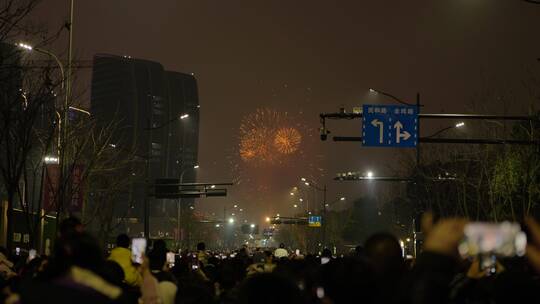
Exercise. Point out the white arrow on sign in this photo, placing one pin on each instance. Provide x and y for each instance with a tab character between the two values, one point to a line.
379	124
405	135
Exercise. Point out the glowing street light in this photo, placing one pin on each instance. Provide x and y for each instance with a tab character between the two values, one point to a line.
231	220
235	206
460	124
252	225
267	219
51	160
292	193
295	206
25	46
213	186
196	167
301	200
184	116
303	179
218	225
342	198
306	183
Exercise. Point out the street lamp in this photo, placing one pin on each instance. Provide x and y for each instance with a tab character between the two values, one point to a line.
456	126
231	220
28	47
252	226
375	91
267	219
295	206
369	174
184	116
341	199
179	202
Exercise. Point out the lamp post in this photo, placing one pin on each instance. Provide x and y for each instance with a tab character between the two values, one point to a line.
179	202
28	47
313	185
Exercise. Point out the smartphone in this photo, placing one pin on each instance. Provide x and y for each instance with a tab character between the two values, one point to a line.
490	240
31	254
324	260
17	251
138	248
170	258
297	252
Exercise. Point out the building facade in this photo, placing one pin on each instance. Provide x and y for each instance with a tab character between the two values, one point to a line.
146	102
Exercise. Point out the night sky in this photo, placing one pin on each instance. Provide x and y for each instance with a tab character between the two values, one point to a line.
310	57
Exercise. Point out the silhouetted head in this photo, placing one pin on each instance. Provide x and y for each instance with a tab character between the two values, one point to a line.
123	240
79	250
159	245
327	253
158	256
384	252
281	245
359	251
201	246
112	272
269	288
70	225
347	280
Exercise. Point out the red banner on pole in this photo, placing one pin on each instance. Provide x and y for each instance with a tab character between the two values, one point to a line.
50	187
77	194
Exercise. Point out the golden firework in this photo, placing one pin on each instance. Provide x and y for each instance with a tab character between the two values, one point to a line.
266	137
287	140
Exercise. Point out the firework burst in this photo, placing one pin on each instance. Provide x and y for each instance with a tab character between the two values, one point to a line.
287	140
268	137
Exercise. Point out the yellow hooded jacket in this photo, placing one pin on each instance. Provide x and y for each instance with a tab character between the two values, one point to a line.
122	256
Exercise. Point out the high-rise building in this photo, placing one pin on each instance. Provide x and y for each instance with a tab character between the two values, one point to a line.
147	103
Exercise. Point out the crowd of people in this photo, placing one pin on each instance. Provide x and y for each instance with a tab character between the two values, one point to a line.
79	271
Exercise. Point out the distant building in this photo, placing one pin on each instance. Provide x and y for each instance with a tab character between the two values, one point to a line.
146	102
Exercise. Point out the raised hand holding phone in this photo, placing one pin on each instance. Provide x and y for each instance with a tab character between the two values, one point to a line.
138	249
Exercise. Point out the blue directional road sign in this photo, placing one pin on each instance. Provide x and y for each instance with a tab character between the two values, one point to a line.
390	126
315	221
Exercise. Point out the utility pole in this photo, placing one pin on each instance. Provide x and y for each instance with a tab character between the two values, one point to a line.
325	221
64	174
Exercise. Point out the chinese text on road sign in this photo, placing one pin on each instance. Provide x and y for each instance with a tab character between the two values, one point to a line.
389	126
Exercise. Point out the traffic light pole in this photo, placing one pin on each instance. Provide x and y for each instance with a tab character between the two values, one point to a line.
440	140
